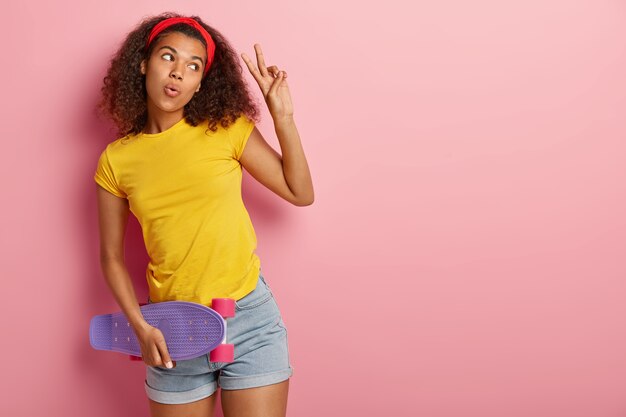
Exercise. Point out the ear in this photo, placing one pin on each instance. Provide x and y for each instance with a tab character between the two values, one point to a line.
198	89
142	67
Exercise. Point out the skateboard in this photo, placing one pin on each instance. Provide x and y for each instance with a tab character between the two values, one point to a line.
190	330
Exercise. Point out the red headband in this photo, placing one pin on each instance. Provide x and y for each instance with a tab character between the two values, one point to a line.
163	24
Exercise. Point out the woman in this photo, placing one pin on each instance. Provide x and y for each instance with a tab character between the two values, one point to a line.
186	120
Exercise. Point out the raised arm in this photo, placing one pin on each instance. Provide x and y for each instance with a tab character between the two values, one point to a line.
287	175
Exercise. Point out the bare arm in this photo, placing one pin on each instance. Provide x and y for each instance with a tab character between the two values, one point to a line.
112	219
287	176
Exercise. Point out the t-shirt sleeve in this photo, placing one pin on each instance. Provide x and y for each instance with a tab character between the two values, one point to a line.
239	133
105	177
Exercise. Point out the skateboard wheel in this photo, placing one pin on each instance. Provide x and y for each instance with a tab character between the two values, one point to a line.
224	306
223	353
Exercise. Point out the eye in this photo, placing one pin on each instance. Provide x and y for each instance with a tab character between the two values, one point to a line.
196	67
168	54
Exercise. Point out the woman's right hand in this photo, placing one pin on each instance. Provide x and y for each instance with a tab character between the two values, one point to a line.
153	348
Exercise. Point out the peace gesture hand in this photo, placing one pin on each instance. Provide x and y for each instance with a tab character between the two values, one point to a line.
273	85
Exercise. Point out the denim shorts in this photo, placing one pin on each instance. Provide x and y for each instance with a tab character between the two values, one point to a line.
261	355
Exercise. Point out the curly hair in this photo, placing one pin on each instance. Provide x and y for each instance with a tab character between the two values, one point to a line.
222	100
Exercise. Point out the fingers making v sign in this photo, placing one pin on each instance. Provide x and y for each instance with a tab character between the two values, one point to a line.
273	84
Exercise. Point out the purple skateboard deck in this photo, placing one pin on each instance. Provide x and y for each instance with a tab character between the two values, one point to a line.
190	329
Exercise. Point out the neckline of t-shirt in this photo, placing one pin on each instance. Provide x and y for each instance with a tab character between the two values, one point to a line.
165	132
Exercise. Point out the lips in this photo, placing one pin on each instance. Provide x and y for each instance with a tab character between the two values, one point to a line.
171	90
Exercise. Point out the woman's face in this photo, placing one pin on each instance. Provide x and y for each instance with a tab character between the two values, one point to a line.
174	71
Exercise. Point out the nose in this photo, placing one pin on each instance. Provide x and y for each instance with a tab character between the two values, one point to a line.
176	72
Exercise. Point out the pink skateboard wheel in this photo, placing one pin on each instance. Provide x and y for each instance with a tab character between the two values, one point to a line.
223	353
224	306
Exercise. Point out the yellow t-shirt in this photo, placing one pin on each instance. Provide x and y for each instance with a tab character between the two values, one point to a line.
184	187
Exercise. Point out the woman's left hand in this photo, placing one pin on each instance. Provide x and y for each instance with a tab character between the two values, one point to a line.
273	85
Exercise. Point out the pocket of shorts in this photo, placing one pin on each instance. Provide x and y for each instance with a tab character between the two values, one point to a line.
244	304
259	296
265	282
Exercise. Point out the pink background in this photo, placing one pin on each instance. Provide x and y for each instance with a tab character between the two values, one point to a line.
465	255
